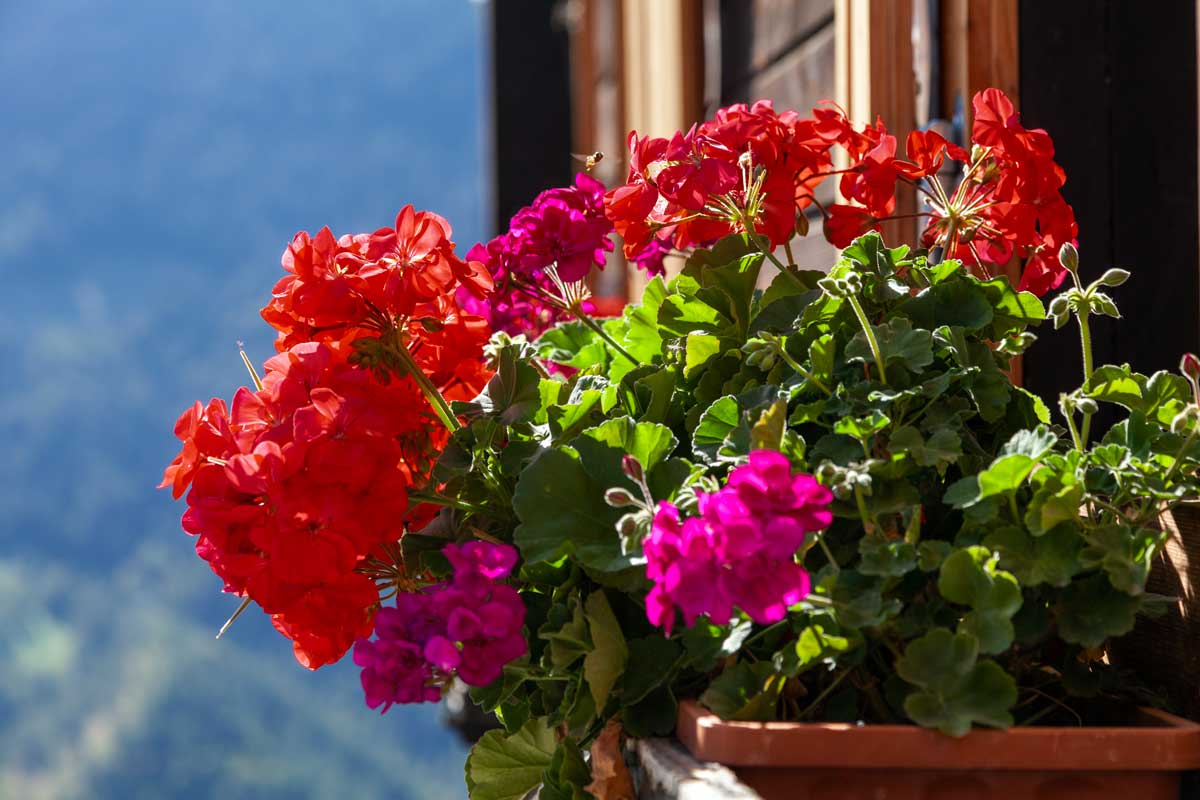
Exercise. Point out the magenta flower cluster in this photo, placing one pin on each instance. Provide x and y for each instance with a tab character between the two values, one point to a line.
740	551
565	227
469	626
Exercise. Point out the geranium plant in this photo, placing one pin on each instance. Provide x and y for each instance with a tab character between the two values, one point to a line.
795	494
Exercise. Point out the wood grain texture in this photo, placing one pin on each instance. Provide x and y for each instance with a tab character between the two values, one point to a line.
1165	652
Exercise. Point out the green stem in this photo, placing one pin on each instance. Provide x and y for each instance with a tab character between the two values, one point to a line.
870	333
603	334
440	406
1085	336
828	554
764	246
799	370
1191	437
447	502
1070	415
867	521
825	693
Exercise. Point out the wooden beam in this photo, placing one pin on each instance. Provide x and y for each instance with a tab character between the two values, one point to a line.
875	78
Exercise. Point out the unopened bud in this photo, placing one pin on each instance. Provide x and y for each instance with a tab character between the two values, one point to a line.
619	498
1185	418
802	223
1103	304
1114	277
1189	365
632	468
1068	256
1087	405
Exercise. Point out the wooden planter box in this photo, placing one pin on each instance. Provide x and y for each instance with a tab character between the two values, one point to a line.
799	761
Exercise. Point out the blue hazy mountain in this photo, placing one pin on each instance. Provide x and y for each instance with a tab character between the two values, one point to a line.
157	157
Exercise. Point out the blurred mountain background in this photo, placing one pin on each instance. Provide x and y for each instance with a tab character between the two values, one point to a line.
157	157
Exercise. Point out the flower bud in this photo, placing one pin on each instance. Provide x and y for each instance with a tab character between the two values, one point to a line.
1114	277
802	223
1068	256
632	468
1103	304
619	498
1185	418
1189	365
1087	405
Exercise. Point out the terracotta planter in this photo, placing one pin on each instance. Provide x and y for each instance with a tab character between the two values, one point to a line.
798	761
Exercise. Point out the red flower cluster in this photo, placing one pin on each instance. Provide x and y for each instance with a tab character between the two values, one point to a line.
752	168
303	482
403	278
747	166
1008	203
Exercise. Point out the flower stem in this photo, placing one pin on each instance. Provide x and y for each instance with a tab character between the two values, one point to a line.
447	502
870	334
1085	337
440	406
1070	415
828	554
799	370
603	334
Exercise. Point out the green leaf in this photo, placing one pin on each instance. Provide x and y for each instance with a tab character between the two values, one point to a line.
653	715
507	767
960	303
969	577
1053	504
642	338
1116	385
886	558
1033	443
705	644
513	394
1124	553
700	348
931	554
781	314
899	343
716	423
859	600
1090	611
566	775
870	251
1013	311
862	428
562	512
606	661
822	355
744	692
767	433
651	663
942	448
816	645
955	689
573	344
648	442
566	633
1052	558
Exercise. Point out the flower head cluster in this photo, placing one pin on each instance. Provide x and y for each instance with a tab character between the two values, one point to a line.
298	492
399	281
1008	203
292	488
469	626
740	551
747	167
563	230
